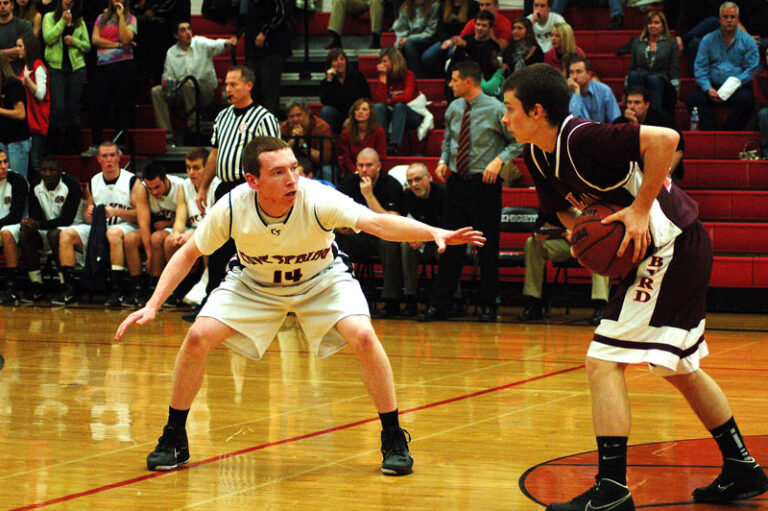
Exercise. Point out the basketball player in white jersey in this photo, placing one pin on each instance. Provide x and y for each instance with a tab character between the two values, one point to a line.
283	226
13	198
126	205
161	191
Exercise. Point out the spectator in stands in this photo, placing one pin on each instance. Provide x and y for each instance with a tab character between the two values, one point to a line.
563	43
362	130
591	100
13	199
453	15
383	194
543	19
125	201
11	28
309	136
415	29
160	192
473	190
523	50
481	48
190	56
341	87
268	36
14	132
760	88
339	10
655	61
640	110
726	55
502	27
695	19
424	201
34	76
66	43
188	216
234	127
53	204
395	88
539	249
26	10
115	77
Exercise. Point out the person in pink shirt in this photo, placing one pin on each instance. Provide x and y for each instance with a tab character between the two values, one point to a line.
396	87
362	130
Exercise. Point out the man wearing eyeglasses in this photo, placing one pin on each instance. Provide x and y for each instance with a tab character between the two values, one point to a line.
11	28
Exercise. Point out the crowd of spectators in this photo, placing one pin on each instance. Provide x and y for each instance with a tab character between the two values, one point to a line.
49	46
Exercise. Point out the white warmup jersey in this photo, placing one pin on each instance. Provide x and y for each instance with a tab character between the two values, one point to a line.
194	215
164	208
116	195
6	196
281	254
51	201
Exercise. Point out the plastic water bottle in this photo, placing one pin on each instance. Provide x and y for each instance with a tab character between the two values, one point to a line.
695	119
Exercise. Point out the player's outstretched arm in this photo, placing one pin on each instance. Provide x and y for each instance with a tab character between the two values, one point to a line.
175	271
398	228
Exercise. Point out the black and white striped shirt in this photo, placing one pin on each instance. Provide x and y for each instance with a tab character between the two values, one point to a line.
233	129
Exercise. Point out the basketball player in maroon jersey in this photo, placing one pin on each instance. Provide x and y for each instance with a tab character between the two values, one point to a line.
657	313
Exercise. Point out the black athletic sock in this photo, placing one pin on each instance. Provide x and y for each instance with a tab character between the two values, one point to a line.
12	276
177	418
68	272
730	441
612	453
389	420
118	279
136	282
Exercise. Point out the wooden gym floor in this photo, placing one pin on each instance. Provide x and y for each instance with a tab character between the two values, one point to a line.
499	414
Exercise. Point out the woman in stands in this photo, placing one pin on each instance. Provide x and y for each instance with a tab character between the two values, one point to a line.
362	130
341	87
523	50
395	88
655	62
66	43
26	9
453	15
14	132
563	43
114	79
415	31
34	76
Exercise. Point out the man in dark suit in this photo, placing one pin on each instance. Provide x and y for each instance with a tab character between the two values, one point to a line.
640	111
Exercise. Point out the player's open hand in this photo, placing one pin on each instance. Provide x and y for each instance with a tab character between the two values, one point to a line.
140	317
465	235
636	229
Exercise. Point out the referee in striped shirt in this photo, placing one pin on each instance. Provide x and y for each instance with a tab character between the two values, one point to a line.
234	127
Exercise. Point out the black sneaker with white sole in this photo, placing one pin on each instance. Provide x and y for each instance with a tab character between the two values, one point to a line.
397	460
172	450
605	495
739	480
35	293
67	295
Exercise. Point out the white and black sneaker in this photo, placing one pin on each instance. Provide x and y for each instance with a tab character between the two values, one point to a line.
739	480
397	459
605	495
66	296
172	450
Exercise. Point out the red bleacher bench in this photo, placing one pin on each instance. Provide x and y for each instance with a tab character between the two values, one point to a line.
147	141
725	174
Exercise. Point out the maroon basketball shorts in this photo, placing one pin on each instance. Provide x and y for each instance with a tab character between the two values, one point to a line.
657	314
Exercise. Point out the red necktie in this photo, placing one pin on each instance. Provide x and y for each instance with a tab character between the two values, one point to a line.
462	157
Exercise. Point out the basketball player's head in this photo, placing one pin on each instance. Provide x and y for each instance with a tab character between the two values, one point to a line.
535	97
238	84
369	164
271	168
418	180
154	180
108	157
465	79
50	172
5	165
194	162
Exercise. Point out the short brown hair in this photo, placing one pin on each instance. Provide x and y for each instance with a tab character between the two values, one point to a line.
198	153
251	161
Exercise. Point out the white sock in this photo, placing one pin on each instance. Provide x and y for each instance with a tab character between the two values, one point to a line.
36	276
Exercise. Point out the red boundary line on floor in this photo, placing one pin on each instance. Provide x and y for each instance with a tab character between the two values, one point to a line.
153	475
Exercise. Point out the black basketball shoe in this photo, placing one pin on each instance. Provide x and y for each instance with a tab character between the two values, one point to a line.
739	480
605	495
394	449
35	293
172	450
67	295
